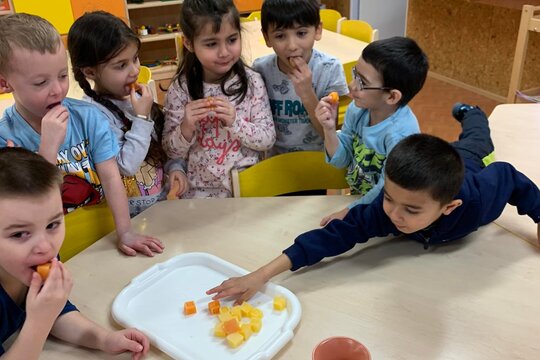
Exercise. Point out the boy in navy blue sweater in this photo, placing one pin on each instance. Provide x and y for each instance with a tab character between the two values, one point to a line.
434	192
32	230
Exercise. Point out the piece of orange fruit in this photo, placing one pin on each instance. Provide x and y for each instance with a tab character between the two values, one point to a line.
43	270
334	97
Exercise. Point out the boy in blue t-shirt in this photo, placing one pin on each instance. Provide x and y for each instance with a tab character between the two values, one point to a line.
388	74
297	75
31	233
72	134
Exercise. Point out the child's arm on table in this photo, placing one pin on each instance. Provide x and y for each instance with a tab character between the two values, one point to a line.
43	305
244	287
53	131
301	78
340	215
76	329
130	243
361	224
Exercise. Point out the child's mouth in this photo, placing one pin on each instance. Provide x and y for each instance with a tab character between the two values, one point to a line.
53	105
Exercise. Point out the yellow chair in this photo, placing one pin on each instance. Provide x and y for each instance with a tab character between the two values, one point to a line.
145	77
255	15
85	226
179	45
344	101
331	19
287	173
359	30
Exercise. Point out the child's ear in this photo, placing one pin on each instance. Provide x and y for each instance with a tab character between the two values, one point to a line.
4	85
89	72
394	97
451	206
187	43
318	32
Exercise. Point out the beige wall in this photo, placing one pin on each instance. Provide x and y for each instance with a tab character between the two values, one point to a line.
472	43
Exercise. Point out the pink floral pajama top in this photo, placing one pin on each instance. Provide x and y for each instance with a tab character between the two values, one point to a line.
216	149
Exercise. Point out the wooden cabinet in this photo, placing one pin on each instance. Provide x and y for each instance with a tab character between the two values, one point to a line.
160	45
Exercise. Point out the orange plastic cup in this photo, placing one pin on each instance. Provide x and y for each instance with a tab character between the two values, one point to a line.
340	348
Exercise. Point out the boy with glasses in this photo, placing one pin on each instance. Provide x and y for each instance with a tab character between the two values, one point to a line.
388	74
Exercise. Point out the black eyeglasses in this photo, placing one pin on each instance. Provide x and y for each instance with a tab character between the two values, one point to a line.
360	84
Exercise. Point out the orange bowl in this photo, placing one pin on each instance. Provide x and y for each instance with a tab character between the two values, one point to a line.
340	348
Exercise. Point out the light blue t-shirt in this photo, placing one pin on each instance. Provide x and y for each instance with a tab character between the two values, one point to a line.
88	141
294	131
363	149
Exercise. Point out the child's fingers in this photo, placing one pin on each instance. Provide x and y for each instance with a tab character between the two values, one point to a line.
324	221
246	295
35	286
155	246
127	250
141	340
155	241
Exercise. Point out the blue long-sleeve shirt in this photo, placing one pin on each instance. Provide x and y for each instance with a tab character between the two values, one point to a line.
363	148
484	193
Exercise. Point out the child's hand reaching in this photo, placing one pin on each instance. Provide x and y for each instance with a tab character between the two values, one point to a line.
242	288
337	215
131	243
131	340
179	184
326	113
225	111
141	99
45	299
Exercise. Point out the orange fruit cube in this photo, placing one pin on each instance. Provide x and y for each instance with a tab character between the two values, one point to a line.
334	97
213	307
231	326
43	270
189	308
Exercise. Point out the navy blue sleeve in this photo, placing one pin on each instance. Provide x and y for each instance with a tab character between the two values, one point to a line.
69	307
361	223
500	183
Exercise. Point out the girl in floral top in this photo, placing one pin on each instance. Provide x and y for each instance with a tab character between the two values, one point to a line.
217	113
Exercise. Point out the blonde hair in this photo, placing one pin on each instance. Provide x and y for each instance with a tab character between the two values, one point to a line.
28	32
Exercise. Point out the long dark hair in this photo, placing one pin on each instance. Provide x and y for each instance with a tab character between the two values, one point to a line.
95	38
194	15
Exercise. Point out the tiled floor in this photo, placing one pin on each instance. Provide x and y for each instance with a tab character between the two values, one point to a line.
433	107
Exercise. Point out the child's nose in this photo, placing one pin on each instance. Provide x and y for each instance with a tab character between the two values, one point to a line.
43	245
291	44
56	88
222	50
